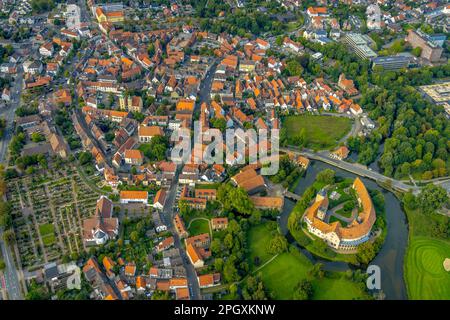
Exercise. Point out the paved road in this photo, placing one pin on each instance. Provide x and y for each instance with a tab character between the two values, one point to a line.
354	168
8	113
11	279
168	214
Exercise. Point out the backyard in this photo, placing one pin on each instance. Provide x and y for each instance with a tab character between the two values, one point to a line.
321	132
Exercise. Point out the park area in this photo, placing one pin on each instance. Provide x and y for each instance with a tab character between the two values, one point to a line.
281	274
320	132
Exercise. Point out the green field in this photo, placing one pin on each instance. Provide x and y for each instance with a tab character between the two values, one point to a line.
47	232
198	227
282	273
425	276
258	240
424	271
322	132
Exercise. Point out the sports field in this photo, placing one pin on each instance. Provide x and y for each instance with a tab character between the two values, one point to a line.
425	275
322	132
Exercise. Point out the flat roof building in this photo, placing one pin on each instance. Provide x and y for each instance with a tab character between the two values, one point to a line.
391	62
360	45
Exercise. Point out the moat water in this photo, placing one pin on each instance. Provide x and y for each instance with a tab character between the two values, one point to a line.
391	255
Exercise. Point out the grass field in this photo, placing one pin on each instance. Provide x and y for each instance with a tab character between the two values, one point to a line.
47	232
258	240
198	227
424	271
285	271
282	273
322	132
425	275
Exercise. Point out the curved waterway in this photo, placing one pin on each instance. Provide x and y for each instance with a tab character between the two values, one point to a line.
389	258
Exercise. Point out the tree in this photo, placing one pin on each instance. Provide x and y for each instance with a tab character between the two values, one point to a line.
85	158
366	252
303	290
9	237
278	244
134	236
409	201
37	292
326	176
317	271
432	198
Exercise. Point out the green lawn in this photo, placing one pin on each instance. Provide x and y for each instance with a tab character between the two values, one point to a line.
258	240
424	271
47	232
322	132
198	227
425	275
285	271
282	274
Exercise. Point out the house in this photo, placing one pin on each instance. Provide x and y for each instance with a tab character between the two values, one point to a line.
130	270
194	256
302	162
208	280
219	223
147	133
317	12
160	199
165	244
127	196
46	49
209	194
262	44
268	203
160	226
134	157
340	153
179	226
59	146
6	94
199	241
102	227
249	180
347	85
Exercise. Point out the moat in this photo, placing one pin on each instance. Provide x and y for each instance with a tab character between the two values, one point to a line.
391	255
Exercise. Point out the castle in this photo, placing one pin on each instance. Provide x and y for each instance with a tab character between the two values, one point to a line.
334	234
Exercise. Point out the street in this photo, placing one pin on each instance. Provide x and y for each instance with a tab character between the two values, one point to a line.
11	279
168	214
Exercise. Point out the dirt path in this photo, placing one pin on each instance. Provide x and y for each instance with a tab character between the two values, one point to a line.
52	210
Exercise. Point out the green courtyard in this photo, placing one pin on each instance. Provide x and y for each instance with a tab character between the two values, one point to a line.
321	132
198	226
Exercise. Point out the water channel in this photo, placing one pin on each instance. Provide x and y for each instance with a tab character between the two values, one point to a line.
389	258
